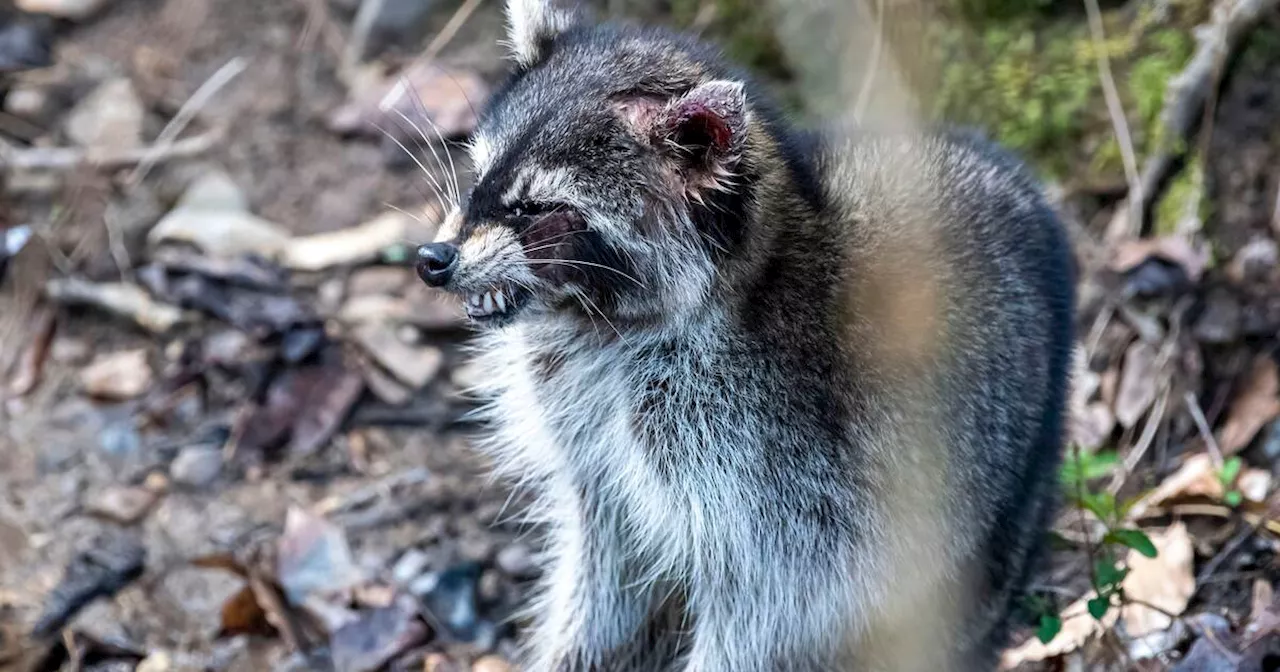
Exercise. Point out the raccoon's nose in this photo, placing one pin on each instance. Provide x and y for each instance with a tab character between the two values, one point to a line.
436	263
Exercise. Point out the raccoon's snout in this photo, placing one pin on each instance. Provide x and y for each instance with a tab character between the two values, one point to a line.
437	262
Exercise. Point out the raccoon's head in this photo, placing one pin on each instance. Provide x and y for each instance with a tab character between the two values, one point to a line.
614	171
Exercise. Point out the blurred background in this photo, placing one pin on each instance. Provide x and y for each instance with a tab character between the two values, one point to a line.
233	432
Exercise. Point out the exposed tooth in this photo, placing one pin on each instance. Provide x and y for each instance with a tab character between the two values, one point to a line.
475	300
502	301
488	302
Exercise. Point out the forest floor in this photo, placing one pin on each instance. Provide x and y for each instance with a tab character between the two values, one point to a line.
233	435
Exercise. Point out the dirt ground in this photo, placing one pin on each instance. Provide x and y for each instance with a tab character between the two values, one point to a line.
282	478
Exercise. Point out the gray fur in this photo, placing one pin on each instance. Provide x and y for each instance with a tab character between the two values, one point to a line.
808	417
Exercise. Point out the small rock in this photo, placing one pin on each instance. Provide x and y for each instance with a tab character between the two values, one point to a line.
452	601
122	504
438	662
24	44
108	118
196	466
119	440
28	102
76	10
490	664
409	566
414	366
517	561
226	347
156	662
117	376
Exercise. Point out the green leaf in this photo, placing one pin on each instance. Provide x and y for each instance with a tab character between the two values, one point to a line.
1087	467
1230	470
1233	498
1102	504
1050	625
1108	574
1135	539
1098	607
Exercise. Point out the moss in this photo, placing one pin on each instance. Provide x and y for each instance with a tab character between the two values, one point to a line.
1033	83
1183	198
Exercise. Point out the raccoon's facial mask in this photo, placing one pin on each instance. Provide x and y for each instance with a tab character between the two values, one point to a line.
526	257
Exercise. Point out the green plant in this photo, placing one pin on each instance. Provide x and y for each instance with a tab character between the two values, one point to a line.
1227	476
1108	570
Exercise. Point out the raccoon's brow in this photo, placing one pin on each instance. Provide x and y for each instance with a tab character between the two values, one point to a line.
542	184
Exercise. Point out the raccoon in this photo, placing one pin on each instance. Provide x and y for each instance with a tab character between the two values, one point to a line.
787	400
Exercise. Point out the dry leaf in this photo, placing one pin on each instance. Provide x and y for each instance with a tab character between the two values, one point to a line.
1137	384
1257	404
1129	254
1165	581
117	298
1198	477
1077	628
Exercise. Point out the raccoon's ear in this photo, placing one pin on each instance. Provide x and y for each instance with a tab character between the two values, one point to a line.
533	24
706	126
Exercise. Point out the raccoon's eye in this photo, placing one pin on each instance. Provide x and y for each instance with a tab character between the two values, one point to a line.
529	209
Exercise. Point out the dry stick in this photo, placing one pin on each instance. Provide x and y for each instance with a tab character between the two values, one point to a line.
1202	425
70	158
1190	89
869	77
360	29
220	78
450	30
1115	108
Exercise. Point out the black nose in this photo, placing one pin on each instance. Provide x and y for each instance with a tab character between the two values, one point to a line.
436	263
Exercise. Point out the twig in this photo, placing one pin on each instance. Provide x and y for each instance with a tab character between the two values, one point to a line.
1202	425
450	30
165	141
359	41
869	76
1227	551
70	158
336	505
1115	108
1144	442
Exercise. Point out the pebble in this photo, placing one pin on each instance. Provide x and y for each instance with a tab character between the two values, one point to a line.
122	504
409	566
25	44
108	118
117	376
196	466
28	102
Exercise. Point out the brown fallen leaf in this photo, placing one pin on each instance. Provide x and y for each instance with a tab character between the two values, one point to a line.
1198	477
243	615
1138	383
1257	404
118	375
324	410
1129	254
1166	581
1078	627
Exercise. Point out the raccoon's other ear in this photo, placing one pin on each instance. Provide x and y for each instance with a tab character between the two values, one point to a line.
707	125
533	24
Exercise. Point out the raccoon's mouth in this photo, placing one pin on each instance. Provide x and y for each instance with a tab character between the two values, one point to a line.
496	304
